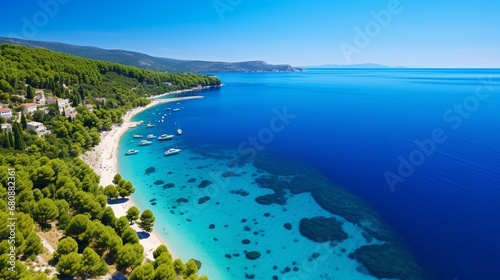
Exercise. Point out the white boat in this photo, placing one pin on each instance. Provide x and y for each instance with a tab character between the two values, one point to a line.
150	124
138	136
145	142
168	108
131	152
165	137
176	109
179	130
150	136
172	151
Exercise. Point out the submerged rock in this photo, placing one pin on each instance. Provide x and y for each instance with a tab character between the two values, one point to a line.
239	192
252	255
159	182
150	170
168	185
321	229
388	261
203	199
203	184
288	226
192	180
230	174
182	199
275	198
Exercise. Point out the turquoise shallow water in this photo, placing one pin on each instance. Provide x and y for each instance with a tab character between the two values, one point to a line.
330	128
213	231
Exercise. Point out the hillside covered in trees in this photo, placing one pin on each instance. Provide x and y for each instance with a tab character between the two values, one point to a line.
47	190
154	63
111	88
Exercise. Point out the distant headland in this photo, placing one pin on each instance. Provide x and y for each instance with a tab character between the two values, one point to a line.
162	64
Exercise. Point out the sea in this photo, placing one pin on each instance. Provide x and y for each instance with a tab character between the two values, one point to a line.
407	157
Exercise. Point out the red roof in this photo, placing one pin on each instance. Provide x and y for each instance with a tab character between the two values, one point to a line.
5	109
29	104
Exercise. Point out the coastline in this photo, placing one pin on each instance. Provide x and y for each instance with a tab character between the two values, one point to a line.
200	88
103	159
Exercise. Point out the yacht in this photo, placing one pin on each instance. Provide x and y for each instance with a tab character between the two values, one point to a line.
172	151
179	130
145	142
138	136
150	124
176	109
165	137
131	152
150	136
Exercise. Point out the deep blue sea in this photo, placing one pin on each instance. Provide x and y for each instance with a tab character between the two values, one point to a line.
417	149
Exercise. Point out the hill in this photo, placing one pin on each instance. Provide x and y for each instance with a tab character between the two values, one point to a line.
153	63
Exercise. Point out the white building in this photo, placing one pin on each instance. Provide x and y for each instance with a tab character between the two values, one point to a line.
38	127
29	108
6	126
61	103
70	112
6	113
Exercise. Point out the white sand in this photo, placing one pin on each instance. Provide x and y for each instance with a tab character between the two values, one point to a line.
103	159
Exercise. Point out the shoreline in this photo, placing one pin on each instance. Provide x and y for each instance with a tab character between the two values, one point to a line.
103	159
156	97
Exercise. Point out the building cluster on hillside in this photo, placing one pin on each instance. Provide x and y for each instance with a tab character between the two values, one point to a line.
41	102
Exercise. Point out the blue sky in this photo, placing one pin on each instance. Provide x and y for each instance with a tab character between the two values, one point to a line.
419	33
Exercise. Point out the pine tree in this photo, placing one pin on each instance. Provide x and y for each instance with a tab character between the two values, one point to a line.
24	123
147	221
30	94
10	140
18	137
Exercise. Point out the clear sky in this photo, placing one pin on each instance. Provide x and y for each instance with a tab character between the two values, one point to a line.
419	33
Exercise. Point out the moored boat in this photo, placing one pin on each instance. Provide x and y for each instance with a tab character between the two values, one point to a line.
165	137
172	151
145	142
131	152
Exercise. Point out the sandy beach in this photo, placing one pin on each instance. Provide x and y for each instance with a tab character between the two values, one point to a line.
104	161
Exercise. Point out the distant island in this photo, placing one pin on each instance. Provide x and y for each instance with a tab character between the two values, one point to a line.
154	63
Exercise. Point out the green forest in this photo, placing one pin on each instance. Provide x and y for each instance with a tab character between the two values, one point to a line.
47	190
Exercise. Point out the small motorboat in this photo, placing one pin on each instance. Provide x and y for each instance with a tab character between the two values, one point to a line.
138	136
165	137
131	152
145	143
172	151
